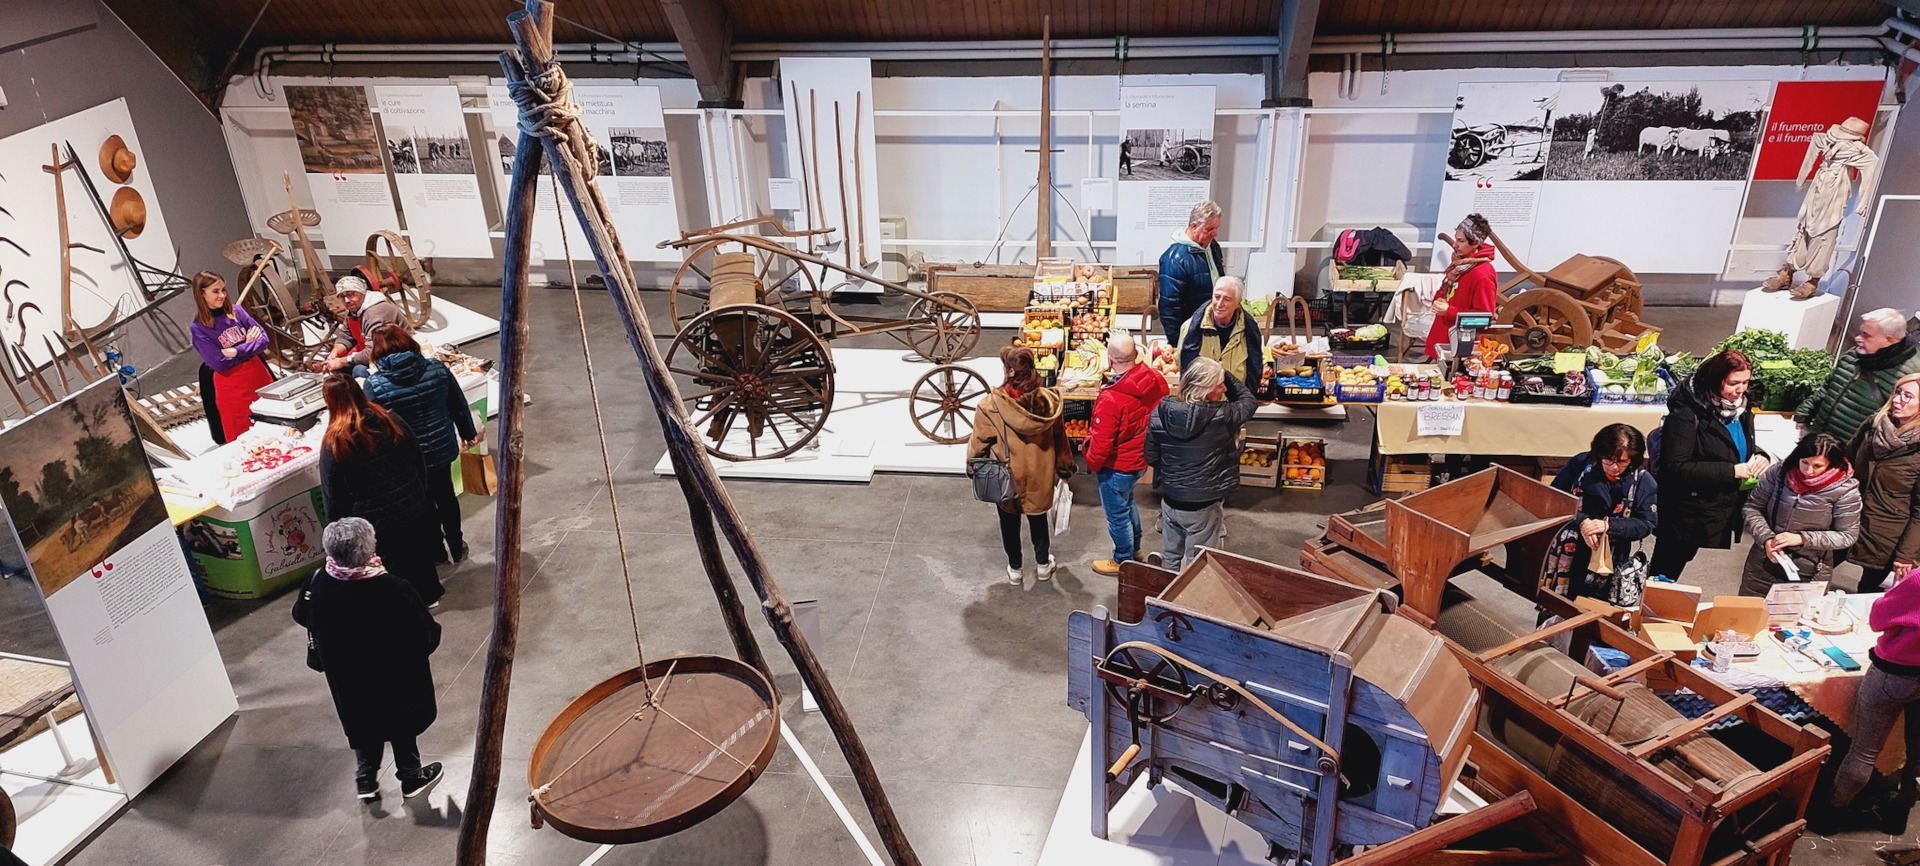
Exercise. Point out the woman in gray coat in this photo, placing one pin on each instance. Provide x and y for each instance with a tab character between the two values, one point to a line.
1806	506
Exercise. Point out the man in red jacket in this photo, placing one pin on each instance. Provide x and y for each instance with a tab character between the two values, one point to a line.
1114	442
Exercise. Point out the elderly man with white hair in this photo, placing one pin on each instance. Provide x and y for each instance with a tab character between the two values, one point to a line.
1192	442
1116	442
1190	267
1226	333
1863	379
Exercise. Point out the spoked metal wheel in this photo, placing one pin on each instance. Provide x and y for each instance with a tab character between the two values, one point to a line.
392	269
783	281
942	403
1186	160
762	383
945	327
1544	321
1143	666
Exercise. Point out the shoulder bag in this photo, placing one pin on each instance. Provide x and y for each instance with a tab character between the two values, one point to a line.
991	473
1629	578
313	647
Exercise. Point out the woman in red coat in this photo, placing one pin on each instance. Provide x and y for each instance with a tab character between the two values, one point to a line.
230	342
1470	286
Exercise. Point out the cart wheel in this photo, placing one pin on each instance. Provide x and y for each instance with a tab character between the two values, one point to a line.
945	326
785	282
942	403
392	269
271	303
1139	664
1468	151
1546	321
1186	160
762	383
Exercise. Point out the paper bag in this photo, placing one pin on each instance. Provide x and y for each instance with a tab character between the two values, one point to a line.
477	474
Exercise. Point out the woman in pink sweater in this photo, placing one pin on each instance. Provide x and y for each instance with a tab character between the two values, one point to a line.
1891	686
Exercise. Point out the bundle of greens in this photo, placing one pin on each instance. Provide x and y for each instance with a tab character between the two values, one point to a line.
1782	376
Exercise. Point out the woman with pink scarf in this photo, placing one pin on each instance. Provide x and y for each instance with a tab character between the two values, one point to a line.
1805	510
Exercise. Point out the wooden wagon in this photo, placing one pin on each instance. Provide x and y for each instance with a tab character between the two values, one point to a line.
1583	301
753	318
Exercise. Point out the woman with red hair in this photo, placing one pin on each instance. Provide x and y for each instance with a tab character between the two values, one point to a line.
371	468
1707	461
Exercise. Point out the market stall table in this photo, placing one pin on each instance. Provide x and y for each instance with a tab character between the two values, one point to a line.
1508	429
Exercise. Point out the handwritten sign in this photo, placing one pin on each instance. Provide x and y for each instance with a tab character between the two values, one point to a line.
1441	419
1569	362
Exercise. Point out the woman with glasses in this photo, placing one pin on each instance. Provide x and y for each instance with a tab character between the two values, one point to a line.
1805	510
1617	499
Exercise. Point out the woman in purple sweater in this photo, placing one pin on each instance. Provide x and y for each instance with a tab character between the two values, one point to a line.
230	343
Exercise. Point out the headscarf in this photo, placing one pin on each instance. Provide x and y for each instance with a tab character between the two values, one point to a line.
1726	409
1469	228
373	568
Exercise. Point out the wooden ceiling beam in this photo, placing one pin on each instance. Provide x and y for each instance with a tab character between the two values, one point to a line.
1287	77
706	36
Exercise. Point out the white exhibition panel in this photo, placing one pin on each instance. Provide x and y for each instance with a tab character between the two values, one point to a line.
433	165
868	430
55	817
1153	207
834	90
103	287
340	154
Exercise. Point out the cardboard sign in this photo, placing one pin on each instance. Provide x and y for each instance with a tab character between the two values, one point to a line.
1441	419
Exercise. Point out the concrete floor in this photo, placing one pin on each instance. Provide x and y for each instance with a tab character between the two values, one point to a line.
955	678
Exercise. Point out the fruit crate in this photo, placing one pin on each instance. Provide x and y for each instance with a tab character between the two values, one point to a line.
1300	383
1374	393
1599	380
1404	473
1164	358
1260	462
1304	463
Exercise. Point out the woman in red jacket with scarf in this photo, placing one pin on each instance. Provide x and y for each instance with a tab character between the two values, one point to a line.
1470	286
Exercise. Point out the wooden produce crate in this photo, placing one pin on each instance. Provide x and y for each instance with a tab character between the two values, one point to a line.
1405	473
1304	463
1005	288
1260	462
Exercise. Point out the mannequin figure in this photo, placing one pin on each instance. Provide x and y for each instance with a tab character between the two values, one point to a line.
1840	151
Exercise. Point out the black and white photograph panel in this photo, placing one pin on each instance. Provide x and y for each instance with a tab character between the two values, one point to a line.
1500	131
1166	154
638	151
1698	130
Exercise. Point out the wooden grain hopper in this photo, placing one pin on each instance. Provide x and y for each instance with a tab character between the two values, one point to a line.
1295	703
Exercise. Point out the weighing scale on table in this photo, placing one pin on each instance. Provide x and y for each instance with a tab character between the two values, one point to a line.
1465	334
296	401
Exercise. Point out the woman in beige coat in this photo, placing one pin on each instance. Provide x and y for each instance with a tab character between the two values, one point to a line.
1020	421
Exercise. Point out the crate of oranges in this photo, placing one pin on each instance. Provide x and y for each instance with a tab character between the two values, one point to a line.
1304	465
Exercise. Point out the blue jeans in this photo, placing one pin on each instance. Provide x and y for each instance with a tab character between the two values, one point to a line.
1123	516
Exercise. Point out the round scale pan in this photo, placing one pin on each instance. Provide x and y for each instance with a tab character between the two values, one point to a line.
599	774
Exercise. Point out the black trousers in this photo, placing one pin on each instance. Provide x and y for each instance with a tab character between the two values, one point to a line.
1010	536
446	505
406	757
1872	579
1670	555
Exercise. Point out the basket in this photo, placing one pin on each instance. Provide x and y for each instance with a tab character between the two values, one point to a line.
1520	396
1597	379
1372	346
1375	393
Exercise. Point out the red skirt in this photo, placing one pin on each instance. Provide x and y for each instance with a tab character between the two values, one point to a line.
234	392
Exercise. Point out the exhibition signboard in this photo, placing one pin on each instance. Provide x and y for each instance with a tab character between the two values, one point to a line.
83	504
1802	108
341	152
1166	164
1653	173
433	169
635	176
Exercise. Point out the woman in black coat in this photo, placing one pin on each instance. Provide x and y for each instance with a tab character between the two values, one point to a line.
373	637
1707	461
371	467
1617	507
423	392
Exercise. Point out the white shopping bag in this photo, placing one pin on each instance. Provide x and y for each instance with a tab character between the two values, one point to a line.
1062	508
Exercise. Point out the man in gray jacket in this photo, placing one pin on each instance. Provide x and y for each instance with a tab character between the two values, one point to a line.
365	312
1191	439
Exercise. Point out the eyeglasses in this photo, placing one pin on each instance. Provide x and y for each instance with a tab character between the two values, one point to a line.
1616	461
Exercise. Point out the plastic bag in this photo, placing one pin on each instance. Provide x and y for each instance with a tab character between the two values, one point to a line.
1062	509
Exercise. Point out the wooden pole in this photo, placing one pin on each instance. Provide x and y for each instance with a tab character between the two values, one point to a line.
840	180
810	200
532	33
491	733
316	272
859	180
59	169
1043	234
813	135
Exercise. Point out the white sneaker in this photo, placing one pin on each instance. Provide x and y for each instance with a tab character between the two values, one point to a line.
1013	576
1045	570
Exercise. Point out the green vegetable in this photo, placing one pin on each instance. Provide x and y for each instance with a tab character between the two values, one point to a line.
1780	384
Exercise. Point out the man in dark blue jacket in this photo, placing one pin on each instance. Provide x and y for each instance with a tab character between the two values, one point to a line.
1189	268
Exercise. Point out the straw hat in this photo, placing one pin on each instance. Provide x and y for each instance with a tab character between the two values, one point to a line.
129	212
116	160
1851	129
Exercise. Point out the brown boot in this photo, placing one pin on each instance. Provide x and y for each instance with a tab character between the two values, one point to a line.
1779	280
1805	290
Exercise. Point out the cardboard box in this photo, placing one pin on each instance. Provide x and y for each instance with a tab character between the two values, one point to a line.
1745	615
1675	602
1671	637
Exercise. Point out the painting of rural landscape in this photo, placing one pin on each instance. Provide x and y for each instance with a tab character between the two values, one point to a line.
76	484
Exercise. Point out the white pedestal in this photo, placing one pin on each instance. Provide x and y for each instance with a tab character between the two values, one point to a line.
1807	323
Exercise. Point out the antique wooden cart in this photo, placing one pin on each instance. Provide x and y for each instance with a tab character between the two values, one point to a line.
753	319
1583	301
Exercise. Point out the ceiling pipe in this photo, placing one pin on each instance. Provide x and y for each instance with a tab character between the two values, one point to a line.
1796	33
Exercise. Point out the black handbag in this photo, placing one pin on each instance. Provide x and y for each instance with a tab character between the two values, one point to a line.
992	475
313	647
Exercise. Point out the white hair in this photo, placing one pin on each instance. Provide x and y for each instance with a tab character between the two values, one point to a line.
1887	320
348	541
1202	212
1120	347
1199	379
1232	284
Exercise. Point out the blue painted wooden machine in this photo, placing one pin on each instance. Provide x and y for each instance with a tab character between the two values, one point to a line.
1297	704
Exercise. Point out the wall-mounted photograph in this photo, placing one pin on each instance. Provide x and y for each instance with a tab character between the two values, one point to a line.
335	129
1166	154
1706	130
638	151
